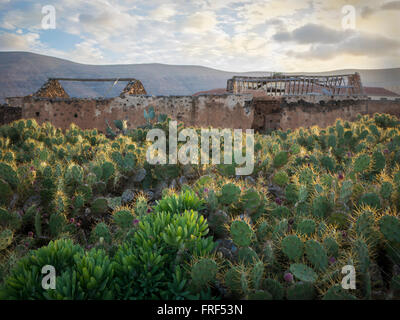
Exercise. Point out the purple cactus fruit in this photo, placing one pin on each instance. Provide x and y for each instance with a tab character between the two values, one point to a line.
206	190
386	151
30	234
288	277
135	222
72	220
278	201
148	210
340	176
332	260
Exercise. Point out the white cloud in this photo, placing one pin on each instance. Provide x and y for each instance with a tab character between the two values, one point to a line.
30	18
107	23
87	52
18	42
200	22
368	45
163	12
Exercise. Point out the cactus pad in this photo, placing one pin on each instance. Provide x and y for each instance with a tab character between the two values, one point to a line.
292	247
241	233
204	272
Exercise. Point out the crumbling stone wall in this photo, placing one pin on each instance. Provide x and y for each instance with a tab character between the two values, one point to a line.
303	114
224	111
389	106
9	114
267	113
219	111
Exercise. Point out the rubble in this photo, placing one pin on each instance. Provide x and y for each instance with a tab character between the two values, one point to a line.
134	87
51	89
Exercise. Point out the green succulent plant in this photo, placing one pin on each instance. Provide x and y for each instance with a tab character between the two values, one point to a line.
204	272
303	272
242	234
292	247
316	255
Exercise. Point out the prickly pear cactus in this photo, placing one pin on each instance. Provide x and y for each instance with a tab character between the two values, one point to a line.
108	170
259	295
232	280
301	291
247	256
316	254
306	227
280	159
336	292
6	237
8	174
56	224
123	218
371	199
250	200
101	230
242	234
331	246
361	163
204	272
99	206
303	272
229	194
362	255
321	207
275	288
257	275
390	228
292	247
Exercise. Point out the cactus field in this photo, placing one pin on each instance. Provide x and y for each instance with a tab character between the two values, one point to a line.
319	200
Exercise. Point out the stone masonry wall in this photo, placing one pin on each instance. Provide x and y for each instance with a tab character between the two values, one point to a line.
303	114
224	111
219	111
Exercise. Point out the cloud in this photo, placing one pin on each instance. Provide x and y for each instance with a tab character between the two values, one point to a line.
392	5
367	45
88	52
235	35
311	33
107	23
163	12
30	18
18	42
368	11
200	22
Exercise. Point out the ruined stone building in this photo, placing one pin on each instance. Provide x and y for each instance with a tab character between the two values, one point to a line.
260	103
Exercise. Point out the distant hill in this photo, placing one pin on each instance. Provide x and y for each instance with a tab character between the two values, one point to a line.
23	73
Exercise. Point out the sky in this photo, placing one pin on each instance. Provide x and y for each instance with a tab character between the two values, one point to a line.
231	35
